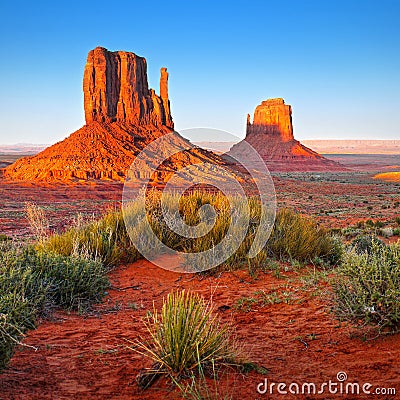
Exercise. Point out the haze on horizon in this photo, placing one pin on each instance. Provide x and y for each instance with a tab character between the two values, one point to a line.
336	62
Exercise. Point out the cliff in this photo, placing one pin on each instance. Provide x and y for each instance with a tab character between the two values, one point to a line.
122	116
115	88
271	134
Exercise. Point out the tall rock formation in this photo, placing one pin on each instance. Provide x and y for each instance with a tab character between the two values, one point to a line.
115	89
272	117
122	117
271	134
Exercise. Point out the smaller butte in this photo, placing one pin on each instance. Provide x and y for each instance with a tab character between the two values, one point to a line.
271	135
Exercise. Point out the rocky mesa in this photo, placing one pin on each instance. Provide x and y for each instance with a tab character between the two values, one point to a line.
122	115
271	134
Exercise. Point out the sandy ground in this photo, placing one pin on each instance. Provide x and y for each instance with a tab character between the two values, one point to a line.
298	340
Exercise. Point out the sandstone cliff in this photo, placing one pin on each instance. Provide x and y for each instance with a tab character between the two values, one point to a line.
115	88
122	116
271	134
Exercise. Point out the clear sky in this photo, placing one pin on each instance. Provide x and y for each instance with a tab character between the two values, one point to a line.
336	62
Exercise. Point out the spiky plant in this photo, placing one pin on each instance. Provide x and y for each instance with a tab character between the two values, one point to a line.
185	335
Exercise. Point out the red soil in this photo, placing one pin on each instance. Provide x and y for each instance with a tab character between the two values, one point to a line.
86	357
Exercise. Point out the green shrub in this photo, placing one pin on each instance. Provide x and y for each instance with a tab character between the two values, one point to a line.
185	335
4	238
368	286
364	243
299	237
33	282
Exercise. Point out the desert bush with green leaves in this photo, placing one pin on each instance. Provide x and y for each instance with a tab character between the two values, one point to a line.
294	236
367	287
33	283
185	335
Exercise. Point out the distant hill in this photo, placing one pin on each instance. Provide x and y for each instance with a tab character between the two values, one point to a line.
22	148
354	146
326	146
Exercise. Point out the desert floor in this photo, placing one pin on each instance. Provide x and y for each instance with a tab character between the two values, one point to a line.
297	338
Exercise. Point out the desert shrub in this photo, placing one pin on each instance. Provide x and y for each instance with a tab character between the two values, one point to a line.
368	286
185	335
37	221
299	237
105	240
386	232
73	282
351	232
4	238
215	226
369	223
33	282
364	243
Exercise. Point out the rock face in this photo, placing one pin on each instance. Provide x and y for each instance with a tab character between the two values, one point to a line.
272	117
271	134
115	88
122	116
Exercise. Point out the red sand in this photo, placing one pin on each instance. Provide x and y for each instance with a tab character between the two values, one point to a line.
86	357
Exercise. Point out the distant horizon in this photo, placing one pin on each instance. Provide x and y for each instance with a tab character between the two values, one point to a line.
215	141
336	63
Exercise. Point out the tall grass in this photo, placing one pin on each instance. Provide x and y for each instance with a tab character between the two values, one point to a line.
367	288
38	222
299	237
184	336
105	240
294	236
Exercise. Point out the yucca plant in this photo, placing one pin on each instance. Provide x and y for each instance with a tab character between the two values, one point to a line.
184	336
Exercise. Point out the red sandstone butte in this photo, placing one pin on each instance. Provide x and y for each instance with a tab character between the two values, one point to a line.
122	115
271	134
115	88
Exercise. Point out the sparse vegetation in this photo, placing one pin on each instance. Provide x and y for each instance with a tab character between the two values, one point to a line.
33	282
105	240
367	288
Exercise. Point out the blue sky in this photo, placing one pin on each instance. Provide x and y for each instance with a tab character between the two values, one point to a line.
336	62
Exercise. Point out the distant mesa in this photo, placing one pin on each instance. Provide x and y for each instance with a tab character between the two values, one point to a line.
122	115
271	134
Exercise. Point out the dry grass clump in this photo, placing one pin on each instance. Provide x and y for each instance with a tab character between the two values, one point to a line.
298	237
